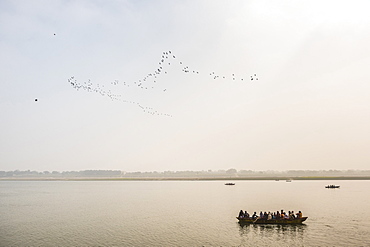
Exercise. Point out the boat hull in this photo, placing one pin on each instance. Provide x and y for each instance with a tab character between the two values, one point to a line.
272	221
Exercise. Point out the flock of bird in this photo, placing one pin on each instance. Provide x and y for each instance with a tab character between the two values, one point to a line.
100	89
150	82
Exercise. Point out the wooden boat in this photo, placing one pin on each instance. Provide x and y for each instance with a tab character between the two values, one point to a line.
229	184
272	221
332	186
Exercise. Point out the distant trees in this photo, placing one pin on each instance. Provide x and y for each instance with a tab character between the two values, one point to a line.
86	173
230	173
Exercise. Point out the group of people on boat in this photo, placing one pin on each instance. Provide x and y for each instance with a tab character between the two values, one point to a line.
270	216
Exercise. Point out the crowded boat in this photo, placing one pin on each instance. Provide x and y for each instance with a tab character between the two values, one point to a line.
278	217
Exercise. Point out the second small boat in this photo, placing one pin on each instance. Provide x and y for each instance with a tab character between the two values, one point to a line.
332	186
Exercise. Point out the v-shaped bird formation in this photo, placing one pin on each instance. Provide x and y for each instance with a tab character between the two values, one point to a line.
151	81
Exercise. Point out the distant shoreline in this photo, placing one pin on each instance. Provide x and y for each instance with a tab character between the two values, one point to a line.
185	179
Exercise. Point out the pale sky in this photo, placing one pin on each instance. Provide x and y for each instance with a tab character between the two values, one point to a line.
309	108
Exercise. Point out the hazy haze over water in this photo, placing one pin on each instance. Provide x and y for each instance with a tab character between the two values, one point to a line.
180	213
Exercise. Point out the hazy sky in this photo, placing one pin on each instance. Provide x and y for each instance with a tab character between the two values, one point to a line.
309	108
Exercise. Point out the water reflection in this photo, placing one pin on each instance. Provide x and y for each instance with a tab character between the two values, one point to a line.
276	232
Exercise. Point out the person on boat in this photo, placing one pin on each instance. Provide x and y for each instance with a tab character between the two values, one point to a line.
286	216
246	214
269	216
289	215
277	215
299	214
261	215
254	216
282	214
292	216
265	216
241	214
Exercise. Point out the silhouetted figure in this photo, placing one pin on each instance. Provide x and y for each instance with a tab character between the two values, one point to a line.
254	216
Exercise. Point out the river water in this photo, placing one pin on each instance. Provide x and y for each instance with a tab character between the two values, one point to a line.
180	213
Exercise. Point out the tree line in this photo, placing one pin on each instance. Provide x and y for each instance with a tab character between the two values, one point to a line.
230	173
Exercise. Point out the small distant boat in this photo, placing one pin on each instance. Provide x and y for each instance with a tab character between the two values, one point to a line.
288	180
272	221
332	186
229	184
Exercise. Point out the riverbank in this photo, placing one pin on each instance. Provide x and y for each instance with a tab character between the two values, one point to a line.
181	178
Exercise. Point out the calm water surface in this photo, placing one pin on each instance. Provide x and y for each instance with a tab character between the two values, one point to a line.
174	213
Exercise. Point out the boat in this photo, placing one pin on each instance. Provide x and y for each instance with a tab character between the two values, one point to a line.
229	184
288	180
332	186
294	221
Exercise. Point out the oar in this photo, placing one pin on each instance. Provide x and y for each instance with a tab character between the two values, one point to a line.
255	220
